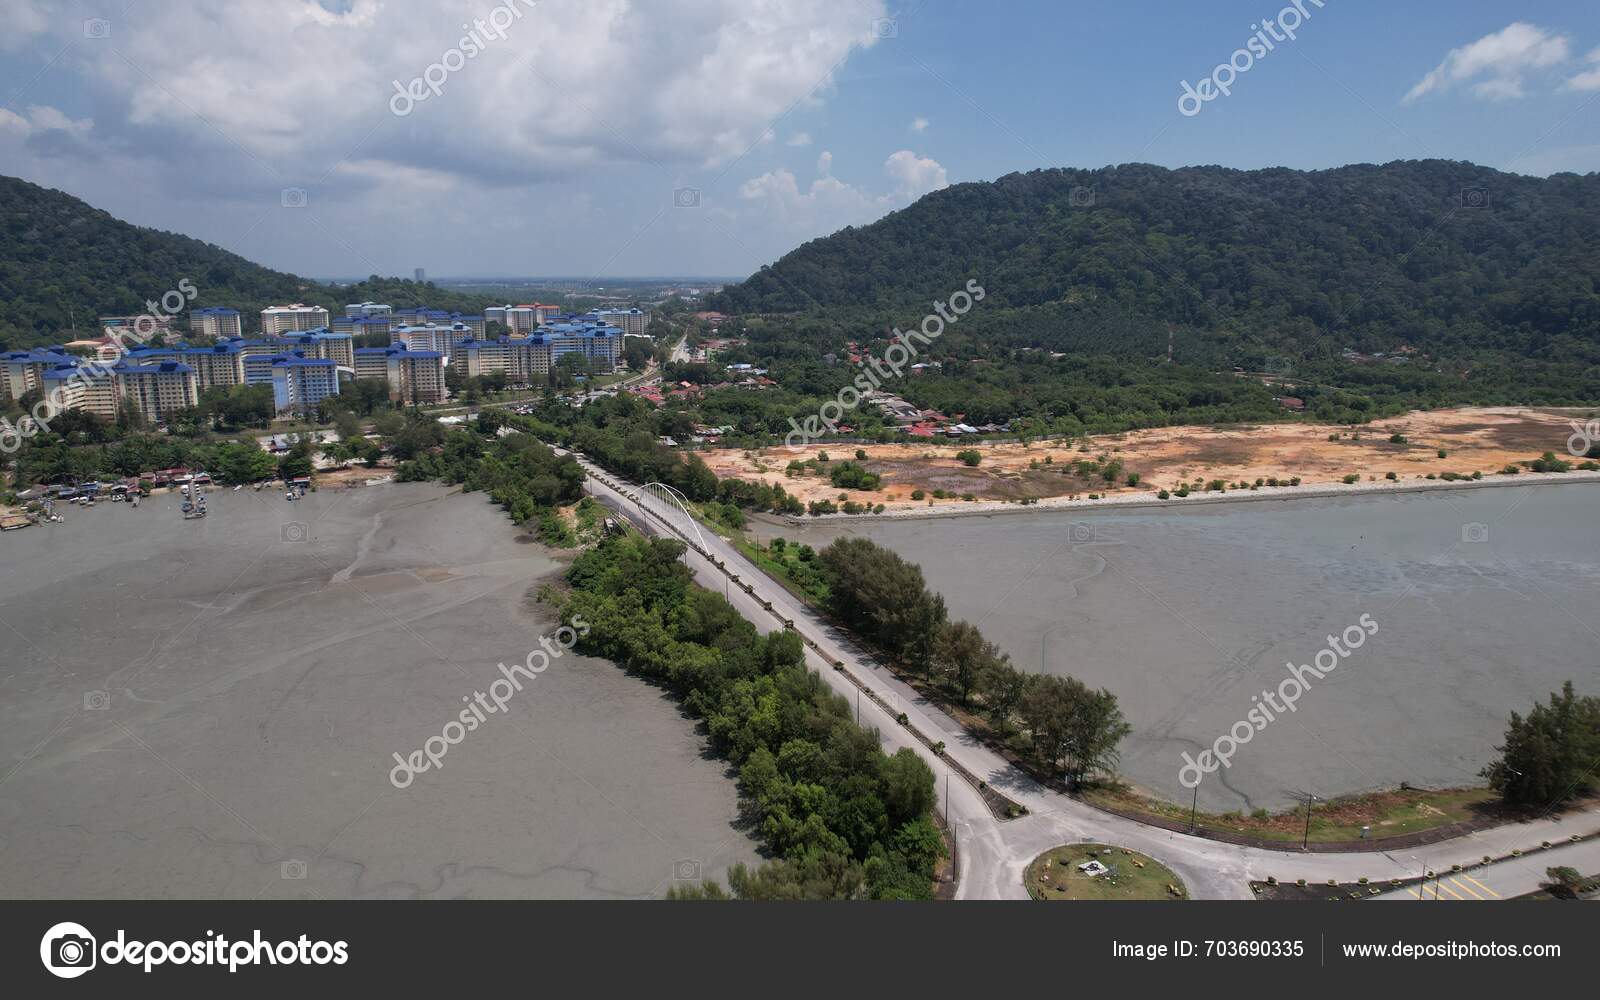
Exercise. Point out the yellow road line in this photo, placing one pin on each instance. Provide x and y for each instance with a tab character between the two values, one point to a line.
1439	884
1458	884
1480	885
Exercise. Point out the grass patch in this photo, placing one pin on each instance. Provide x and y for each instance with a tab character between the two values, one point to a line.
1389	814
1055	875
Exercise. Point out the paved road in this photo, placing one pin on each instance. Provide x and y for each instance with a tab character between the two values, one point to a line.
1505	880
994	854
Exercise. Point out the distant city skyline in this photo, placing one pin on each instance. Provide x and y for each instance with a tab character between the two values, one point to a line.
692	136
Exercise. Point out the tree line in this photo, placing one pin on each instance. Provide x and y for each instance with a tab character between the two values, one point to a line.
842	819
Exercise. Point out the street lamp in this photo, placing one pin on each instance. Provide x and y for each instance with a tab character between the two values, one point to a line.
1194	806
1305	843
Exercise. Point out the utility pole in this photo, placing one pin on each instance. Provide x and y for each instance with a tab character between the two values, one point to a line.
1194	806
1305	844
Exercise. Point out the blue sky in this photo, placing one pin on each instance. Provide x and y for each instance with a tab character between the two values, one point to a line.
707	137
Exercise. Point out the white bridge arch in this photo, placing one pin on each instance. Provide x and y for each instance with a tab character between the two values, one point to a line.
673	496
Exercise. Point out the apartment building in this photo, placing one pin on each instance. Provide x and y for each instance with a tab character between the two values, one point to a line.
518	320
158	390
24	371
299	383
217	365
286	319
483	357
629	321
430	337
414	376
357	310
359	326
599	342
216	322
324	343
83	387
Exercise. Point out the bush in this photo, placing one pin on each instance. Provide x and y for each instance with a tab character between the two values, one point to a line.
917	494
1390	476
970	456
1397	439
1351	478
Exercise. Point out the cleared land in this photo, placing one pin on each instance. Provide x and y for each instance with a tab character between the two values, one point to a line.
1483	439
190	705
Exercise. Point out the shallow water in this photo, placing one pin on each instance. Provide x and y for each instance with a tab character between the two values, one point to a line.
1484	600
258	669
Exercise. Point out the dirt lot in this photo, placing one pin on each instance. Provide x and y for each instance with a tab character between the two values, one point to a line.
1482	439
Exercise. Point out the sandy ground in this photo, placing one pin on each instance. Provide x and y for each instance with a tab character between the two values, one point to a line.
196	708
1483	439
1483	599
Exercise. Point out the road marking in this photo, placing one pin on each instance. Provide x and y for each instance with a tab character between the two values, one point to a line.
1480	885
1464	888
1440	886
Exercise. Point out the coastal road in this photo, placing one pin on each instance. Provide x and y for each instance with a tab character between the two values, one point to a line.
993	853
1506	880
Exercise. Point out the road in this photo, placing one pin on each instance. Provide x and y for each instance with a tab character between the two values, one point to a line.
1505	880
993	854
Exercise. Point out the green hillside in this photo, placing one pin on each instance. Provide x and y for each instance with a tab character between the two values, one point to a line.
63	260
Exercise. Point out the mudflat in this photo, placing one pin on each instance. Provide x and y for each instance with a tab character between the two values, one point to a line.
1483	599
209	709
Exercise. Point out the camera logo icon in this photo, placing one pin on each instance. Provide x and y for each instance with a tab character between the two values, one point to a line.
1081	197
687	870
96	701
886	27
686	198
293	198
1080	532
292	869
1474	532
294	531
68	950
97	27
1475	197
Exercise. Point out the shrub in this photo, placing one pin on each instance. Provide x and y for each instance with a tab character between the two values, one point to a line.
970	456
917	494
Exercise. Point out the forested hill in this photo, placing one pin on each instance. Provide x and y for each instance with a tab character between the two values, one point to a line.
1445	256
62	259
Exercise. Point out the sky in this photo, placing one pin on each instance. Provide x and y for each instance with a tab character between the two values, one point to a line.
681	138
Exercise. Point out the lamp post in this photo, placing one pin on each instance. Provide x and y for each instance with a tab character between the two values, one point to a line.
1194	806
1305	843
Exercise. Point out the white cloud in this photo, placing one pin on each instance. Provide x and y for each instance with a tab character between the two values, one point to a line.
829	203
919	124
571	84
800	139
1498	62
1589	79
917	174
